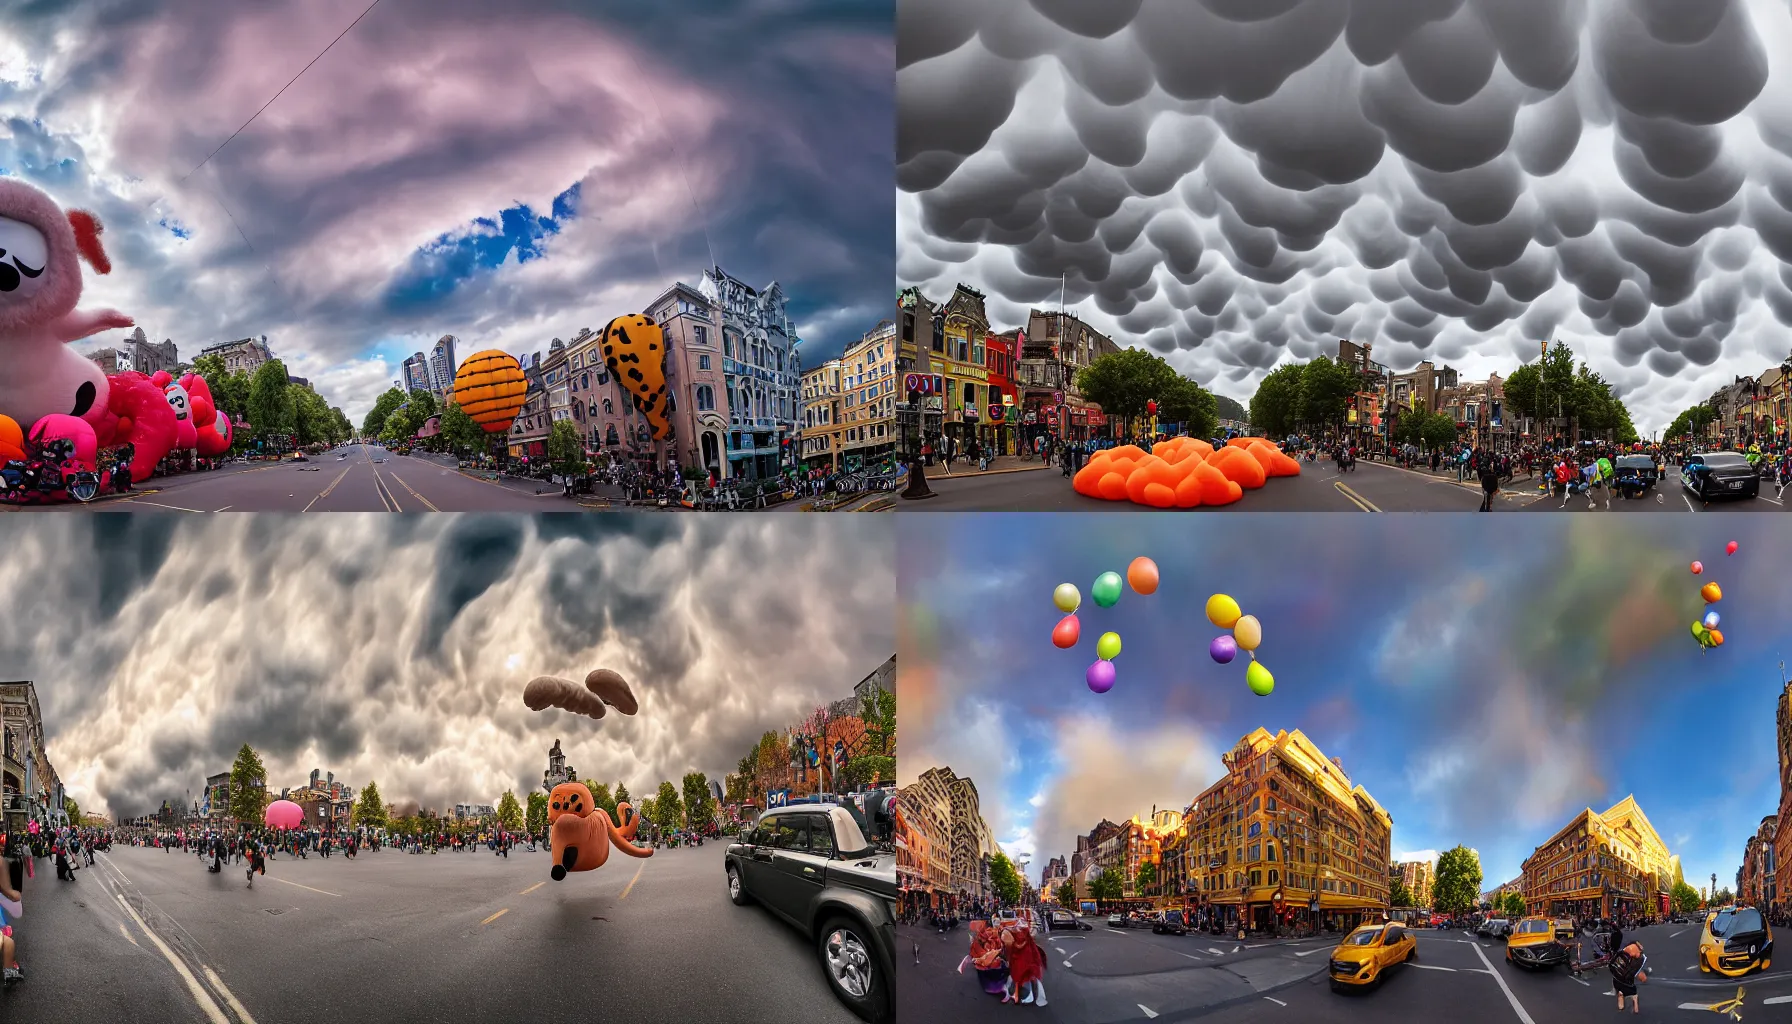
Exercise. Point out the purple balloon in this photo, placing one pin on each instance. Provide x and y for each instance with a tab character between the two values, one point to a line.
1223	649
1101	676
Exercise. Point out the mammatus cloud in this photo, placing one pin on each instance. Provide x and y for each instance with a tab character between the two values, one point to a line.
444	168
394	649
1234	184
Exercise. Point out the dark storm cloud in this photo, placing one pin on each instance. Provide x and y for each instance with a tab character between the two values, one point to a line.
160	646
319	225
1601	159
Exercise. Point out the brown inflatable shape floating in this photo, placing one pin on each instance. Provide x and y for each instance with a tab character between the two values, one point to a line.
1183	472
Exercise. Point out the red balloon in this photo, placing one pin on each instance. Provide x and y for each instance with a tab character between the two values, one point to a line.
138	412
1697	568
1730	548
1066	633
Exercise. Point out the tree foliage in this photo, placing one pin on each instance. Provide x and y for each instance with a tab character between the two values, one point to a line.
1458	884
1691	422
1108	884
1399	895
370	810
1123	382
1685	897
459	430
699	802
566	449
510	813
271	409
601	797
1146	878
248	786
1006	881
877	710
375	420
668	812
1067	895
535	817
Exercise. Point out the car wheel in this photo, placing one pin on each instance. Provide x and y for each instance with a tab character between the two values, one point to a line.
1337	987
1412	954
848	960
737	893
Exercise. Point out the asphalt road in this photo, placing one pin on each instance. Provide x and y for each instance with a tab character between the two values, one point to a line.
1666	497
1371	487
151	937
1107	976
328	483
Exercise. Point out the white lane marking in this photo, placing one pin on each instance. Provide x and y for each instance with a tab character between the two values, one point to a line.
1688	501
1678	934
1309	952
200	996
1216	952
1149	1012
126	932
1191	956
1510	998
1694	967
223	509
1070	958
1433	967
1236	948
229	997
1577	981
271	878
1276	1001
1776	501
1776	999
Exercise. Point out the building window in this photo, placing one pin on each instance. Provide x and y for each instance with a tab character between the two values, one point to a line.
706	398
1256	852
701	334
702	361
609	407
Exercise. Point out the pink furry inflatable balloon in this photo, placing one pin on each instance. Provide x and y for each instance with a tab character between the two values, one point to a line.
58	426
212	425
41	249
139	414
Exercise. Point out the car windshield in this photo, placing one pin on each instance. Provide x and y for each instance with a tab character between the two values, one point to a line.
1363	937
1636	462
1533	927
1746	920
1723	460
1720	923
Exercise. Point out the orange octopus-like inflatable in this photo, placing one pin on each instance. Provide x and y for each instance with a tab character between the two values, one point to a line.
1183	472
580	832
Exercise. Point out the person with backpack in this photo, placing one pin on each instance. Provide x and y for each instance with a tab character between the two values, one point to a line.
1628	971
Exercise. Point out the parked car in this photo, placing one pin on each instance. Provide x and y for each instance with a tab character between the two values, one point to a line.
1735	941
1366	954
1065	921
1170	922
811	865
1494	928
1710	474
1535	944
1117	921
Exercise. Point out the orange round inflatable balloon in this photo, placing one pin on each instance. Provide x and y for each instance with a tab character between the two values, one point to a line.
1712	593
635	351
1141	575
12	441
490	387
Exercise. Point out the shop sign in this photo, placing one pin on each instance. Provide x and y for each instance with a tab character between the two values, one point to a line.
996	412
924	383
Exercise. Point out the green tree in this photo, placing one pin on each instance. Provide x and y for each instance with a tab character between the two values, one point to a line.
510	813
621	793
271	409
648	810
399	426
535	818
877	710
1690	423
1067	895
1147	877
1276	407
375	420
1107	885
1723	898
699	802
668	812
1326	389
370	810
1512	905
868	770
1685	897
1438	431
312	421
600	797
422	404
1191	405
566	448
1458	884
459	430
1399	895
72	809
1122	382
1005	879
248	786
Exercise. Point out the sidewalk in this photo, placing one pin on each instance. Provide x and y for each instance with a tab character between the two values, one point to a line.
999	464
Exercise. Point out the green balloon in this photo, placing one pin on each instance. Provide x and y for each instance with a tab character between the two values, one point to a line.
1259	680
1106	590
1108	646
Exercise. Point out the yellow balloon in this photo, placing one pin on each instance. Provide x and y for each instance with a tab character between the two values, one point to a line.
1222	611
1248	632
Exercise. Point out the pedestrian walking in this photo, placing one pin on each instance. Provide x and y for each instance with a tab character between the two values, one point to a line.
1628	971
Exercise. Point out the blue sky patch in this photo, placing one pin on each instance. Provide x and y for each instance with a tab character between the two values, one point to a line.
439	268
175	228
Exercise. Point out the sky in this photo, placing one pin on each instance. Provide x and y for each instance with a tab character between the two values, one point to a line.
395	649
504	173
1483	681
1237	184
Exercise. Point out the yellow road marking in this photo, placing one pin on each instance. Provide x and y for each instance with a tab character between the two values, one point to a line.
531	889
494	917
230	999
1361	502
283	881
632	881
321	495
414	493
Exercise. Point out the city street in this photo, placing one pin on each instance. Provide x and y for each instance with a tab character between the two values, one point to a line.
1108	975
150	936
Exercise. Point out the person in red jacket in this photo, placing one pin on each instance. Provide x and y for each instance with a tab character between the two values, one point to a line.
1026	966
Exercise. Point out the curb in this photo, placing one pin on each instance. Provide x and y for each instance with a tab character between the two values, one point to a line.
989	472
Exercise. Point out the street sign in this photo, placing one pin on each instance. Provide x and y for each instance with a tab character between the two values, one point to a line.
777	798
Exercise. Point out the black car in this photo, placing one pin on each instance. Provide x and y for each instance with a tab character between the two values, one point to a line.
811	865
1709	474
1065	921
1635	474
1169	922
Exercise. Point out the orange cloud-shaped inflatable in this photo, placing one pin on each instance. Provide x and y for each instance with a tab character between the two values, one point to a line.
580	833
1183	472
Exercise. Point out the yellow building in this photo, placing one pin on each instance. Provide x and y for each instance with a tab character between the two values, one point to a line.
1602	865
1418	876
823	429
868	387
1286	834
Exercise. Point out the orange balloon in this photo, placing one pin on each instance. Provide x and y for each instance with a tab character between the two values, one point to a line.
1712	593
1717	639
12	441
1240	467
1141	575
635	352
490	388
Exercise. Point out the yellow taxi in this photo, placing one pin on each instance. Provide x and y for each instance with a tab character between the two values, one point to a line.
1735	941
1365	955
1534	943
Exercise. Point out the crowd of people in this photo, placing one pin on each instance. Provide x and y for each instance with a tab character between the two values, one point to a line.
1007	959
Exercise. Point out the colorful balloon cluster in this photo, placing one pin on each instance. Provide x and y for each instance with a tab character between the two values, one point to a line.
1246	635
1141	575
1183	472
1704	630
